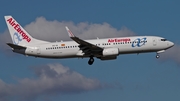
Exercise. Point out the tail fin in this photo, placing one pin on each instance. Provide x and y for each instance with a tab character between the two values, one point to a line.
18	34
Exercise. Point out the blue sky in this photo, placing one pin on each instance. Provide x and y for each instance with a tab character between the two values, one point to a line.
130	77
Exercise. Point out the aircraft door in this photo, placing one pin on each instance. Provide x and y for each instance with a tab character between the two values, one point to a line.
38	50
154	42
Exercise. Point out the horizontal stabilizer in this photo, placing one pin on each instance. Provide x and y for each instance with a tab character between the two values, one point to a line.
15	46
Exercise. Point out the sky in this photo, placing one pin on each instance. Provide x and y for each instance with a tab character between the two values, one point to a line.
131	77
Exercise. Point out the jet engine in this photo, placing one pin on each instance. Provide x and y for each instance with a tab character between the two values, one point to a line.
110	52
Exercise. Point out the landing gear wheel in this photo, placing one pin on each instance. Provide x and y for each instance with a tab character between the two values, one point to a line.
91	61
157	56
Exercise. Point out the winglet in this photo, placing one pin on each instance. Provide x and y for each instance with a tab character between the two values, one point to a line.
69	32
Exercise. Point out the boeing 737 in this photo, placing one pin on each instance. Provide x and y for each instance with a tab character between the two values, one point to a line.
104	49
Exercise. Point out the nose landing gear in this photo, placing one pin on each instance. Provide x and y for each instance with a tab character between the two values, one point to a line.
157	56
158	52
91	60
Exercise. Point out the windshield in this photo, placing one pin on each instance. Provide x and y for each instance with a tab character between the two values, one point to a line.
163	39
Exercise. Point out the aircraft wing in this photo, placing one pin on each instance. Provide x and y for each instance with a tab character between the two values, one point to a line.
85	46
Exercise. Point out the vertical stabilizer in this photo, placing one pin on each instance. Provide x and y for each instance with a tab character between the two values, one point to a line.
18	34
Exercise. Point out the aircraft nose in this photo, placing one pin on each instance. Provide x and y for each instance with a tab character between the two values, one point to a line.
171	44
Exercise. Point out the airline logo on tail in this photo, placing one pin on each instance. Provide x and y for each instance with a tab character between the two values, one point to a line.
17	27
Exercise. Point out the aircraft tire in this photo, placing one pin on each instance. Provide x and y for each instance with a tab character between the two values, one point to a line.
157	56
91	61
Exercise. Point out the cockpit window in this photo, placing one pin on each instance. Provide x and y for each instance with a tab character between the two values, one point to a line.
163	39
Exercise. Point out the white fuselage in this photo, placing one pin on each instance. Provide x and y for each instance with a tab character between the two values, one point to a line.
125	45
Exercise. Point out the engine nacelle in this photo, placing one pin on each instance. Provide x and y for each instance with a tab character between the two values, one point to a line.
110	52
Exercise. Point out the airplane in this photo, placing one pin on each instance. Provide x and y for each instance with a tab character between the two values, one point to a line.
103	49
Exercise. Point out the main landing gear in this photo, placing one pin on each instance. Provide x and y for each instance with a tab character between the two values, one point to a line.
91	60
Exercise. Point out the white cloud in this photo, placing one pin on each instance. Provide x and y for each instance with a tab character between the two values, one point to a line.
51	79
4	38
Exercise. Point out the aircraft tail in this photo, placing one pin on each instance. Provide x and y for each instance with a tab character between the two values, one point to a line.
18	34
